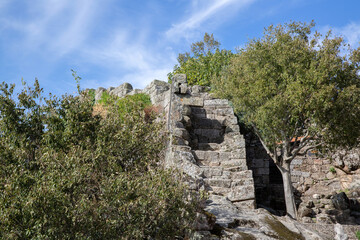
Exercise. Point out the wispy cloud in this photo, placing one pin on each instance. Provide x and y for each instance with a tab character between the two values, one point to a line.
351	32
134	61
54	26
202	11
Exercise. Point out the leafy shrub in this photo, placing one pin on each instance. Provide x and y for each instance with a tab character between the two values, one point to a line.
67	173
127	104
204	63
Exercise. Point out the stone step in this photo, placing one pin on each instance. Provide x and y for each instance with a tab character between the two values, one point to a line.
219	172
209	146
218	182
240	163
219	190
241	193
246	174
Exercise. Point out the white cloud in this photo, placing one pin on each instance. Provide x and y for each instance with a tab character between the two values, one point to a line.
135	61
52	26
351	32
203	10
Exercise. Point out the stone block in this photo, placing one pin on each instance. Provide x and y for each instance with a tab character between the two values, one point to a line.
231	120
216	102
248	204
232	128
199	154
183	89
220	190
181	132
226	174
210	172
220	119
211	156
223	111
224	156
98	93
241	193
242	175
179	78
192	101
241	163
121	90
242	182
238	153
197	89
217	182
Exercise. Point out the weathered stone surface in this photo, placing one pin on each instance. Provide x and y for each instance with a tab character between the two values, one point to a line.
216	102
240	193
323	219
193	101
218	182
98	93
121	90
242	175
179	78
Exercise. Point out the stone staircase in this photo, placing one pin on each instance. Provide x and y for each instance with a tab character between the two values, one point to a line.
219	150
207	145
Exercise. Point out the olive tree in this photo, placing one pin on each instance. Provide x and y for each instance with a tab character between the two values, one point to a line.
297	90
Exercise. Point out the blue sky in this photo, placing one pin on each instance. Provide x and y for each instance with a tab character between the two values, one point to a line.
109	42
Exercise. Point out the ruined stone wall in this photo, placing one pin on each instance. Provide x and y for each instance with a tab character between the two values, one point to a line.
206	144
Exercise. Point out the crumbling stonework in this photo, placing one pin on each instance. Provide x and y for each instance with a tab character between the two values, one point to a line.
206	145
205	130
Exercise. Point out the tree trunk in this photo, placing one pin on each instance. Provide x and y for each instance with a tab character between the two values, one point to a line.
288	190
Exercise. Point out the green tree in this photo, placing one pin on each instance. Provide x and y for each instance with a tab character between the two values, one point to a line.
297	92
69	173
204	62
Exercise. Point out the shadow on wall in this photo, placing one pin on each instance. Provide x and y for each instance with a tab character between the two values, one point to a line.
206	133
269	189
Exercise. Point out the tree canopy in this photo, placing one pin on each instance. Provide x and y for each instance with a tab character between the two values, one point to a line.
205	61
67	172
297	90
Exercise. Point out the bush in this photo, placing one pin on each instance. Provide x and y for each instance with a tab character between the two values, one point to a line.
67	173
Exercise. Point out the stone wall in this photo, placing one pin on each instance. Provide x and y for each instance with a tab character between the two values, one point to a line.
207	146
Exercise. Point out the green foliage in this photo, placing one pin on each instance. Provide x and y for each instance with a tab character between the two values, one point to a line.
332	170
358	234
296	92
289	84
67	173
127	104
204	63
